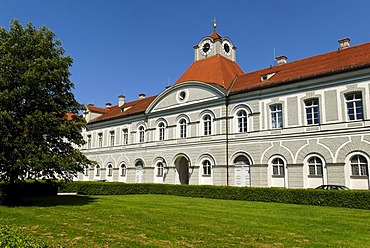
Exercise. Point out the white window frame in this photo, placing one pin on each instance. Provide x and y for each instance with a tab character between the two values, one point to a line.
123	168
206	167
100	140
276	113
183	128
315	166
110	170
312	109
161	131
359	167
97	170
86	172
141	134
242	121
125	136
354	104
89	141
278	167
160	169
207	124
111	138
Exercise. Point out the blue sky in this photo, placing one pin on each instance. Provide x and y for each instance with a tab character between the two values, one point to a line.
132	47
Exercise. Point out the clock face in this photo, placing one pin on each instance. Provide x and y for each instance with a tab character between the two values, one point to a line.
206	47
226	48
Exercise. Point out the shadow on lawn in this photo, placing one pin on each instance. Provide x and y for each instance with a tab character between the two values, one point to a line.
50	201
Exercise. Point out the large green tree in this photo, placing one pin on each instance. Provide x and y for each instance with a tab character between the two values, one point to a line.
40	130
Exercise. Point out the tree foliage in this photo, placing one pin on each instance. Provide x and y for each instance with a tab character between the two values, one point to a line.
40	129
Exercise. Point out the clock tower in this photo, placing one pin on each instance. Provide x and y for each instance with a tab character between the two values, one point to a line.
214	44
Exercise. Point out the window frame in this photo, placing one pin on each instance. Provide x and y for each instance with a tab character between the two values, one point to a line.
242	121
161	131
100	140
160	169
360	167
110	170
98	170
207	125
125	136
206	167
123	168
112	138
276	114
278	167
89	141
311	110
183	128
354	104
315	166
141	137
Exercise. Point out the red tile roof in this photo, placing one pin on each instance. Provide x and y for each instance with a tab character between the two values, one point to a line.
215	35
215	69
347	59
130	108
94	109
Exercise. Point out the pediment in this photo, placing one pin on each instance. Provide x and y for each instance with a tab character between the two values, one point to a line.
185	94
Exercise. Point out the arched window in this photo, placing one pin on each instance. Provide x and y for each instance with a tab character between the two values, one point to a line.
183	128
110	170
97	170
206	167
359	166
141	134
86	170
207	125
315	166
123	170
278	167
242	121
160	169
161	131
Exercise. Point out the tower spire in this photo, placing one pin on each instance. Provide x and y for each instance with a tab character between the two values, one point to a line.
214	24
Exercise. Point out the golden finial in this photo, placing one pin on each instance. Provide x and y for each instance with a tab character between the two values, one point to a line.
214	24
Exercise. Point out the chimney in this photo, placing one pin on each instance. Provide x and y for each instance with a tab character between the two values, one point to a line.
121	100
141	96
344	43
108	104
281	59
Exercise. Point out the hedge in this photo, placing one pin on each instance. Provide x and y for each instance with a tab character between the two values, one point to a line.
335	198
12	193
13	237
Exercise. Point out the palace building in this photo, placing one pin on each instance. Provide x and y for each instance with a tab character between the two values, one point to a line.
296	124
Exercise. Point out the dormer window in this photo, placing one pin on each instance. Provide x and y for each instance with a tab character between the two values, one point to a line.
267	76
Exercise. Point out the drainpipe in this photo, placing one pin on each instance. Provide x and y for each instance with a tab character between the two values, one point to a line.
227	99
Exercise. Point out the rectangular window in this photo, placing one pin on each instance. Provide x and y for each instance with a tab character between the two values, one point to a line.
112	138
354	106
100	139
89	141
312	112
276	116
125	136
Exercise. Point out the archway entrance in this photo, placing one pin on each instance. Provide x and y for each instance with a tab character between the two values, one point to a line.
182	168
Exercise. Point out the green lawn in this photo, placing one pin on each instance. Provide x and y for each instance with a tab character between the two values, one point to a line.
171	221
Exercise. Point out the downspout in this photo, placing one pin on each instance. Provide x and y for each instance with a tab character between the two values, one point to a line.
227	99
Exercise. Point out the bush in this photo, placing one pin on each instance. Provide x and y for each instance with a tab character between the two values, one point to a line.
12	193
12	237
335	198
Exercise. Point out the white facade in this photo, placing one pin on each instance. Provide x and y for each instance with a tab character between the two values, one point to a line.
299	134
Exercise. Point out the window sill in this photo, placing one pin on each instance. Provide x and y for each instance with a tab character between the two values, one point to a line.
206	175
278	176
315	176
359	177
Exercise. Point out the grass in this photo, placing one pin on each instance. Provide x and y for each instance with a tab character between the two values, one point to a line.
171	221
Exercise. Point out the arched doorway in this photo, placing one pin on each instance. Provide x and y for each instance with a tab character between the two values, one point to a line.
242	171
182	168
139	170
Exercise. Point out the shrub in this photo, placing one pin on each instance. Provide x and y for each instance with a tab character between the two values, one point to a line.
12	237
12	193
337	198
